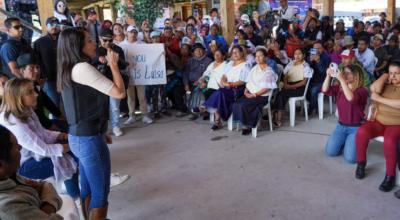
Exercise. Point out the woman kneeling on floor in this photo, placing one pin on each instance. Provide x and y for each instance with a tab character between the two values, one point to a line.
385	94
297	72
351	99
231	88
248	109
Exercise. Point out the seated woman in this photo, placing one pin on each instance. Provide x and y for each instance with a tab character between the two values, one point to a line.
296	74
22	198
385	94
261	79
231	88
351	99
42	156
278	55
209	82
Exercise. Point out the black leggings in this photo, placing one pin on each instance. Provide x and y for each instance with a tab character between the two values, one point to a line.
283	97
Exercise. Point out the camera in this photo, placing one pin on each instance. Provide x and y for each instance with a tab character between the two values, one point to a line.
335	69
313	51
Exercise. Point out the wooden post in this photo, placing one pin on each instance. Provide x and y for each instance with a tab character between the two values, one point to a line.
46	9
228	19
2	16
391	11
328	7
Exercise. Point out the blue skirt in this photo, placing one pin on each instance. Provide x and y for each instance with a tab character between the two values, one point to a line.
223	99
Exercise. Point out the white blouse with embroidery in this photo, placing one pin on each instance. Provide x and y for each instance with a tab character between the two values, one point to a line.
261	79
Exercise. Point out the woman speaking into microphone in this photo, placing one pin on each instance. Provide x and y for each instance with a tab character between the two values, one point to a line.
85	93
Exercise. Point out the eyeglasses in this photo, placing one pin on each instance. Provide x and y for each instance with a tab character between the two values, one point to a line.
107	40
17	27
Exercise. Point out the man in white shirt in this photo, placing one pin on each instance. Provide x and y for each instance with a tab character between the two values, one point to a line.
285	11
132	38
366	57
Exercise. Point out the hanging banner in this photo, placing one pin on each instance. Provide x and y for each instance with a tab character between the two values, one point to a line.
146	64
302	6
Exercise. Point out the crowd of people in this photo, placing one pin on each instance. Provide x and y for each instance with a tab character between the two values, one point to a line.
59	93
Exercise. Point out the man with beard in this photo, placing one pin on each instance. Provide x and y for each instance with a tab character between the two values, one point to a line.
46	51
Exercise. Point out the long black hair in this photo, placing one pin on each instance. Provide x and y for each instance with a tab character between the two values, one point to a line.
5	144
69	52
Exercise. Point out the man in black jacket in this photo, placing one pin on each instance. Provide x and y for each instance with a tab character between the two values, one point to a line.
106	43
29	67
46	50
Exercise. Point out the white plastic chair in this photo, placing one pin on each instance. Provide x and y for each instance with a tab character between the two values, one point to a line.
381	139
321	105
268	108
292	105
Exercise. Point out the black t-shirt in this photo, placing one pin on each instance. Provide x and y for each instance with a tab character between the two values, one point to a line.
44	103
256	40
393	53
46	50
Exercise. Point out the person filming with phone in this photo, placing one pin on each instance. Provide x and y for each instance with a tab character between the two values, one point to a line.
351	99
319	61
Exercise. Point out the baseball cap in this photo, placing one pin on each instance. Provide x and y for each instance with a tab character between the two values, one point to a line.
105	32
348	40
197	45
92	11
394	38
52	20
347	54
132	28
379	36
26	59
186	40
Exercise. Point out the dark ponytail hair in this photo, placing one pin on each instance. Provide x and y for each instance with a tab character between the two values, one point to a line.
69	53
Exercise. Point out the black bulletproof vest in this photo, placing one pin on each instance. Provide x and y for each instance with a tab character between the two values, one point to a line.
86	109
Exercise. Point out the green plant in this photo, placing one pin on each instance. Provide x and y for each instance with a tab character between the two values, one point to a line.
247	9
143	9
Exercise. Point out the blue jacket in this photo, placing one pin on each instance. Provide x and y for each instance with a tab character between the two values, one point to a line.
220	41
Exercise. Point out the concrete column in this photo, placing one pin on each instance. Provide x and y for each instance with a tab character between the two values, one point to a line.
391	10
228	19
46	9
328	7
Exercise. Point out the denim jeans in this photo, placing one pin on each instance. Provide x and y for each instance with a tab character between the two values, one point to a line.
114	112
342	140
44	169
94	167
50	88
313	96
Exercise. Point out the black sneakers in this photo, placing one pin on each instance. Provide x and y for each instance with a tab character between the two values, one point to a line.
360	171
388	183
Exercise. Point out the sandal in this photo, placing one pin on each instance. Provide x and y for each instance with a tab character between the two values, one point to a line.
277	124
217	125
